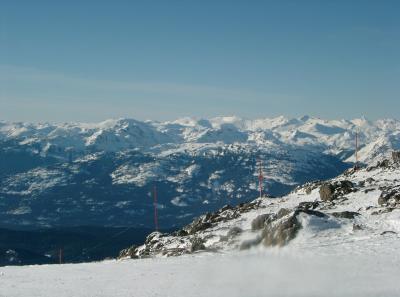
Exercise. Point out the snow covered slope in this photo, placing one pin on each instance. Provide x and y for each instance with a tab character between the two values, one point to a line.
334	238
104	173
358	210
263	273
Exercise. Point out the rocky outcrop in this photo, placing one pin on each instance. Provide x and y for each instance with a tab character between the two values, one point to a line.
285	228
263	220
308	187
396	157
393	163
345	214
358	227
308	205
388	232
280	232
384	163
336	189
310	212
326	192
197	244
199	224
247	244
284	217
225	214
390	197
234	231
128	253
190	238
283	212
260	221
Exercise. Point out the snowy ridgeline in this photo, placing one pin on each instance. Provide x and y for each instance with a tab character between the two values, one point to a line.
333	238
335	137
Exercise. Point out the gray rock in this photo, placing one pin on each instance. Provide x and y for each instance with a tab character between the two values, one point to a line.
345	214
260	221
389	196
357	227
344	186
370	180
388	232
369	190
331	191
326	192
383	210
174	252
383	164
234	231
128	253
226	207
310	212
309	187
396	156
199	224
197	244
180	233
308	205
246	207
383	199
247	244
279	233
283	212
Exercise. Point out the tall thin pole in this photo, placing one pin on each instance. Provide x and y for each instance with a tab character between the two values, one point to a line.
260	178
155	208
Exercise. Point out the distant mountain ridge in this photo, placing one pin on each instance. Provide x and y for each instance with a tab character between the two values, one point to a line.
103	174
115	135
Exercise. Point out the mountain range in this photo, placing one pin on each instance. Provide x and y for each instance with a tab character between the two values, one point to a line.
104	174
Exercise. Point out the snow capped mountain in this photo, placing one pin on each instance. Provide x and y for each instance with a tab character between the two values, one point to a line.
104	173
334	136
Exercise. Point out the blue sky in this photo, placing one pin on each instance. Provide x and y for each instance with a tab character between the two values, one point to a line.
68	61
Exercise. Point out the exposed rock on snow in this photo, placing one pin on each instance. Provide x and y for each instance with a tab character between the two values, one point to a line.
345	214
396	156
259	222
390	196
331	191
197	244
280	232
234	231
187	240
298	219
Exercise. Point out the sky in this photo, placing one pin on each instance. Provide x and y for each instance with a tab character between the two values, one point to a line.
93	60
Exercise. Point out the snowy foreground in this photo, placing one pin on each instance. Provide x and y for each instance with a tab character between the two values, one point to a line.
347	246
372	270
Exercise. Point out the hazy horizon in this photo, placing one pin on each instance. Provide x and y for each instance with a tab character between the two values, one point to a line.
196	118
62	62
